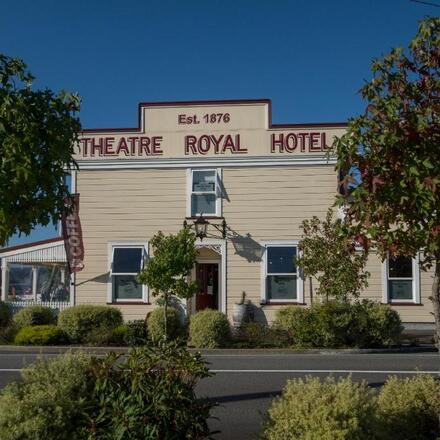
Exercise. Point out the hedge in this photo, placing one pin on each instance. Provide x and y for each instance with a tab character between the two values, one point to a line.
336	324
35	315
209	329
40	335
156	324
89	323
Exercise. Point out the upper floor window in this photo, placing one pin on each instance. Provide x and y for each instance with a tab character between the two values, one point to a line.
401	284
204	193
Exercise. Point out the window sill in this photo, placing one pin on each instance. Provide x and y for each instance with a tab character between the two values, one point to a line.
131	303
403	303
207	217
282	303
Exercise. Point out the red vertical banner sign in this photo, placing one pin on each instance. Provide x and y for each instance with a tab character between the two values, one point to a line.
72	233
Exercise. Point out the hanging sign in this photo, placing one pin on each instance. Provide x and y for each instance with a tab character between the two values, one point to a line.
72	233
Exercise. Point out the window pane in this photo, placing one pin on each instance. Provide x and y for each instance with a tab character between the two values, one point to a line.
400	289
203	204
281	259
126	287
281	287
127	260
400	267
20	280
204	181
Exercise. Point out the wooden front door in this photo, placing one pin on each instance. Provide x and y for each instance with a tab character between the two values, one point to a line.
207	277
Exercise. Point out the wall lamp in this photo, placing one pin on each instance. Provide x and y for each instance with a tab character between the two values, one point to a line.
200	226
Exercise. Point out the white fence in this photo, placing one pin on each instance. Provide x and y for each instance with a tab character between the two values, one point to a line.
15	306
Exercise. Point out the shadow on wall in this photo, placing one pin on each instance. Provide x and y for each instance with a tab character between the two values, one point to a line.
103	278
245	246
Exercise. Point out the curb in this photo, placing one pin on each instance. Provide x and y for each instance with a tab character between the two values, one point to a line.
225	351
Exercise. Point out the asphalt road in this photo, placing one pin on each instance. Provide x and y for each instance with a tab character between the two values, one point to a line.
244	384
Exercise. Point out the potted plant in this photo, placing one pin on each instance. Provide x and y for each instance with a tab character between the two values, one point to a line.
240	311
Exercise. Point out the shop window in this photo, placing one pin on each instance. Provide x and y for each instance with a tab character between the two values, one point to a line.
126	262
401	284
204	193
281	282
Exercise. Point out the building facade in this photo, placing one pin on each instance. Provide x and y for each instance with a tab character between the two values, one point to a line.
226	161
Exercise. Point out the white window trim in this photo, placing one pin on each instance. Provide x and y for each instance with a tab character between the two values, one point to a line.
189	192
299	280
415	283
110	285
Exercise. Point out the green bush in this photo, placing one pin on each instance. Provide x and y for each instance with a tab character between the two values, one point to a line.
40	335
49	402
136	333
5	316
257	335
150	395
119	334
335	409
90	324
35	315
377	325
410	406
156	324
209	329
7	334
334	324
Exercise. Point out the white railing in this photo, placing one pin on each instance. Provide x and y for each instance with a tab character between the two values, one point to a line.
15	306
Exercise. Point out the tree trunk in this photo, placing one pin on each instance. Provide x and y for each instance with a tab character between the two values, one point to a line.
165	318
435	298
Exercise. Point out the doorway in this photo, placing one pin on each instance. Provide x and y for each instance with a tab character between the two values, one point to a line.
207	278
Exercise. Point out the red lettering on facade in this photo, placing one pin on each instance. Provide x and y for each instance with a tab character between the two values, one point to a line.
122	146
157	140
190	143
108	146
314	142
97	146
277	143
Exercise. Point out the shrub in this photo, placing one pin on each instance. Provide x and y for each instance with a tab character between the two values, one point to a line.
256	335
50	400
7	334
5	316
300	325
156	324
90	323
334	409
377	325
341	324
40	335
119	334
136	333
209	329
35	315
150	394
410	406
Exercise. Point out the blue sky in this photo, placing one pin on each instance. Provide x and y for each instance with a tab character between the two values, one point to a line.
309	57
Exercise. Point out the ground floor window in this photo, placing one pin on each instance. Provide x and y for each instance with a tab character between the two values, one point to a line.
281	281
401	279
38	282
126	262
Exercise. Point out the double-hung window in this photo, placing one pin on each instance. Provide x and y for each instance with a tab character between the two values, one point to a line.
281	281
126	262
401	280
204	193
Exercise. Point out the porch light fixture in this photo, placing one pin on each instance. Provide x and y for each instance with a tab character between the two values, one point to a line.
201	227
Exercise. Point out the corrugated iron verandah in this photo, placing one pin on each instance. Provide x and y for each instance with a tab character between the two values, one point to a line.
46	280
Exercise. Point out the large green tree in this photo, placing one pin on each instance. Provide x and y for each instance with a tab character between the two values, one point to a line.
38	131
167	272
390	156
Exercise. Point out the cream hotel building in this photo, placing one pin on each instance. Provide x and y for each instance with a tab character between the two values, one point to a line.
253	181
